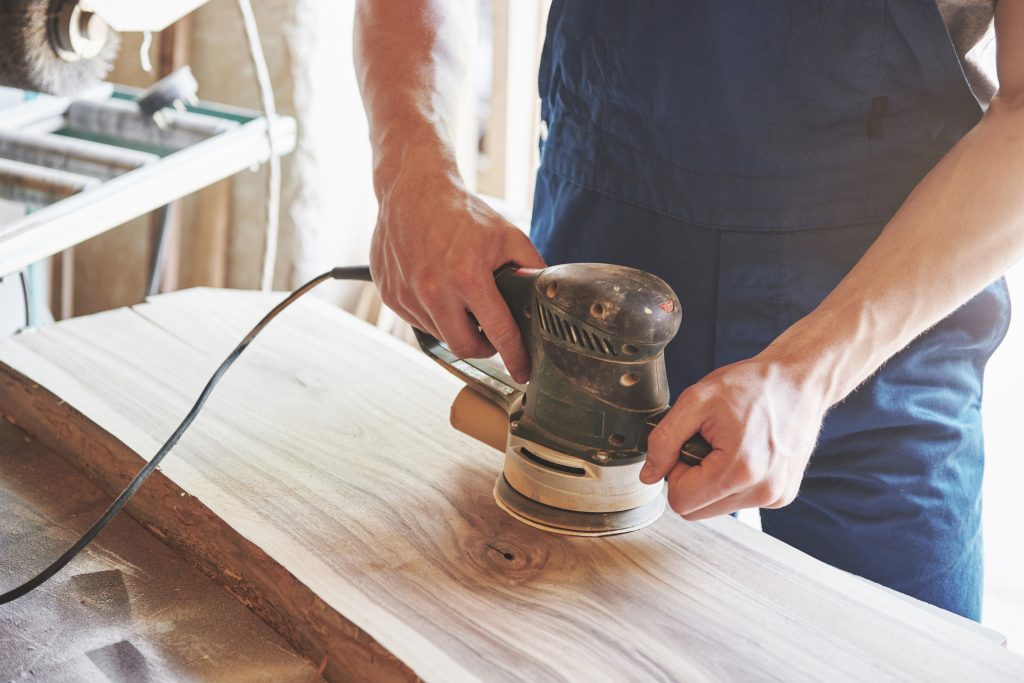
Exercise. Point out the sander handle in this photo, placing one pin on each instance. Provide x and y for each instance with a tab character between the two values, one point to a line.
485	376
482	375
691	453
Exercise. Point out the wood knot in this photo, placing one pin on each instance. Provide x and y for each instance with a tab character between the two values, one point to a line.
511	560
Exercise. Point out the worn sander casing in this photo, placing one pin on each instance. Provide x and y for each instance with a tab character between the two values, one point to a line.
577	432
596	335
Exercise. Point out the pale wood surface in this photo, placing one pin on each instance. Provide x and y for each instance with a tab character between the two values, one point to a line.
324	486
129	609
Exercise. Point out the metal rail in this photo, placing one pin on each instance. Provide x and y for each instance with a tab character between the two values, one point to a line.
237	140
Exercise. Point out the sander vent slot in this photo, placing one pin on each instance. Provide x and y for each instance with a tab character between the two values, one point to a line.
563	330
567	469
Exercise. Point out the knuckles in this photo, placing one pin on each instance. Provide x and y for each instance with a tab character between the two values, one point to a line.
768	492
745	472
426	286
782	500
465	278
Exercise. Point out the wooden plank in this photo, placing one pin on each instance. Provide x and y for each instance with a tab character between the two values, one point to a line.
205	239
62	279
109	270
323	485
130	608
173	53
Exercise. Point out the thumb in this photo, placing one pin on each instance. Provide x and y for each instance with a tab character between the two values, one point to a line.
682	421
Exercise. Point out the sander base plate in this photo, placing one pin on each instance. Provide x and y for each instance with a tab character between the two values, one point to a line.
572	522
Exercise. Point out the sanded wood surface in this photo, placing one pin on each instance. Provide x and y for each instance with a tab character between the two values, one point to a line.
324	486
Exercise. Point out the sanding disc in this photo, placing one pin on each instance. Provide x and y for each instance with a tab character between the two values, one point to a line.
572	522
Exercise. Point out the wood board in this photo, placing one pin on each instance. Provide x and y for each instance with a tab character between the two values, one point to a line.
129	609
323	486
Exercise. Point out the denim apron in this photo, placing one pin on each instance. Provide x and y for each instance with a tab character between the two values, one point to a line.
749	152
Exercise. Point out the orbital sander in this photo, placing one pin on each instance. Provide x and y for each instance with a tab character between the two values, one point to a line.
575	436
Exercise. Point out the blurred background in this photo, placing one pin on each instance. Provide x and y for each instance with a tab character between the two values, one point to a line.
328	209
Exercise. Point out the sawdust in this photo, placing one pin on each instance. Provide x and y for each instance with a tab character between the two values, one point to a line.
128	608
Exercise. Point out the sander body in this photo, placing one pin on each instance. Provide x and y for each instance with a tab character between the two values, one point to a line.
576	433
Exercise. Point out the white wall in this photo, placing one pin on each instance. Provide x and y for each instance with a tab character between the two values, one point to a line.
1004	479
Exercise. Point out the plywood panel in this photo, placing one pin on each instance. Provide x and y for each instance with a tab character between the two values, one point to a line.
324	486
110	270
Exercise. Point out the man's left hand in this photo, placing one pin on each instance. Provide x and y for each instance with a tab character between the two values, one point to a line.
761	421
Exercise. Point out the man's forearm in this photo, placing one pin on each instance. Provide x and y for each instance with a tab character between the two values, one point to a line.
410	60
436	245
959	230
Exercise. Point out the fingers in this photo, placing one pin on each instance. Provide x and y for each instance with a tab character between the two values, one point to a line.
521	250
458	330
411	312
763	425
493	313
726	506
443	281
682	421
740	501
501	330
732	494
451	319
478	293
694	488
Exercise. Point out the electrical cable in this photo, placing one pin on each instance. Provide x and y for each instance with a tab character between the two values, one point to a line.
343	273
259	64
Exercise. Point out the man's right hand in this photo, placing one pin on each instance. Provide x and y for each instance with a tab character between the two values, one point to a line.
433	257
436	245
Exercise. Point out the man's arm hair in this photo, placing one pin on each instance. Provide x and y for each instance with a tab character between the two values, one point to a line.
410	58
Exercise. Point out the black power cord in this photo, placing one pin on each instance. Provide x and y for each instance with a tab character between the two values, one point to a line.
350	273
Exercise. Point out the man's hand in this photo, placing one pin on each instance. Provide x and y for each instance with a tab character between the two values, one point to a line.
433	257
762	423
436	246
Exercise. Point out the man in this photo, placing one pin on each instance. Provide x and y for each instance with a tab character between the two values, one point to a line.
815	180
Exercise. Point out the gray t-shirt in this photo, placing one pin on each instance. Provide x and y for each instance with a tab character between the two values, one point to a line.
969	23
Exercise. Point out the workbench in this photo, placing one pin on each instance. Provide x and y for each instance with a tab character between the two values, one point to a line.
323	487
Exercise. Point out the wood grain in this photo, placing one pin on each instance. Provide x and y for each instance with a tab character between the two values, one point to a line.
325	488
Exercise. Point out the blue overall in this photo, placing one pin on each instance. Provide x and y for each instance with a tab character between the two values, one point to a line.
749	152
